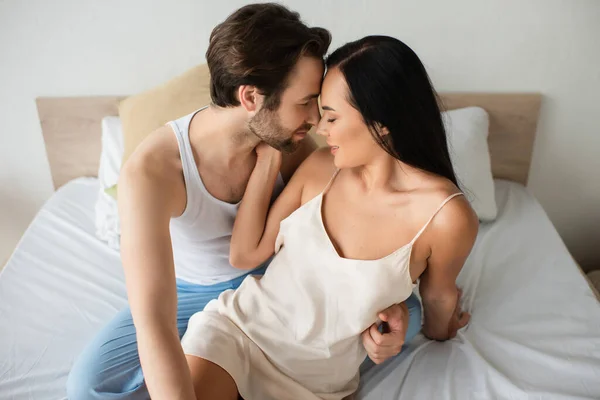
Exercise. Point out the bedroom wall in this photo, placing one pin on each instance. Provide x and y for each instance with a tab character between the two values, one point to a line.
74	47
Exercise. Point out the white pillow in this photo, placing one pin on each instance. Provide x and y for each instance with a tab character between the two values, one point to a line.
107	217
467	130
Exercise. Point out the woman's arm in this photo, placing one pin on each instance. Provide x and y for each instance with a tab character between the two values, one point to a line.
255	232
453	234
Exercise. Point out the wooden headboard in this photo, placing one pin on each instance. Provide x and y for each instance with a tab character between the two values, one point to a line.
71	127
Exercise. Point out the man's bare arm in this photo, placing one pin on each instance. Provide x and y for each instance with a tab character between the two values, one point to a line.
145	207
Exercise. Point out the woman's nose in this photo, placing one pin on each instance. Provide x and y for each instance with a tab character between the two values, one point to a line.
321	128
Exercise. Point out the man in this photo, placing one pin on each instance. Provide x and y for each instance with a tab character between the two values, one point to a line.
178	197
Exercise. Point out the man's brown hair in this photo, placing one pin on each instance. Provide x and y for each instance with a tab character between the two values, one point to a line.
259	45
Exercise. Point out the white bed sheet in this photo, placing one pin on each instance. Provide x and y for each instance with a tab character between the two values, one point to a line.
534	333
535	326
58	288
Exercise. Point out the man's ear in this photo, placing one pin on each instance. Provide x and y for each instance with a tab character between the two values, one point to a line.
250	98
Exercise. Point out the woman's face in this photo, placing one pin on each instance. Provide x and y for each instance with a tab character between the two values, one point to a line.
343	126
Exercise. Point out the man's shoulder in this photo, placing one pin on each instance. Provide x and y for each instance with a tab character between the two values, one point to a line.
156	159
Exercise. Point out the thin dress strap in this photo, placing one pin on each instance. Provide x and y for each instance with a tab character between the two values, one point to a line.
331	181
434	214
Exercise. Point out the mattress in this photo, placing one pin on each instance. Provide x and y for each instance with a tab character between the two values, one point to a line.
534	332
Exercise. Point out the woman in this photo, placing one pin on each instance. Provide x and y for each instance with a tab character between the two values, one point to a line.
357	224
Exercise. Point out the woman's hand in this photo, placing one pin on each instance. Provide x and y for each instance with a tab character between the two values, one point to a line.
266	153
459	318
382	346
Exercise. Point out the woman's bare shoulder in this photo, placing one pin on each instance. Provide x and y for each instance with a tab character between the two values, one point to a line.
316	171
321	158
456	218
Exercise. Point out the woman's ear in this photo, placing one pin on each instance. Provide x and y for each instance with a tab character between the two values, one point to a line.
383	131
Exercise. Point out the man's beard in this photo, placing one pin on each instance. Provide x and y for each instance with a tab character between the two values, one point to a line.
267	126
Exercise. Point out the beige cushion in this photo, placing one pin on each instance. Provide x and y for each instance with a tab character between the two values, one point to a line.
143	113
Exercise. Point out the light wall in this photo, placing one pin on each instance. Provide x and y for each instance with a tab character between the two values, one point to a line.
77	47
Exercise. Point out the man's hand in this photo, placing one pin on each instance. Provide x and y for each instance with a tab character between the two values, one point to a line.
459	318
381	346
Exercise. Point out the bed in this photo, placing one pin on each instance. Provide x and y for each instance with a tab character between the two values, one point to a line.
535	327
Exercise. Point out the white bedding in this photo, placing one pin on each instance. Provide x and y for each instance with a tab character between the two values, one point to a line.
534	333
535	325
60	285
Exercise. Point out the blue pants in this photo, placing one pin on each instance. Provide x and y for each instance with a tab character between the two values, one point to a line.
109	367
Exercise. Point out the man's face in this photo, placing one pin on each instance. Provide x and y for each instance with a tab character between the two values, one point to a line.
298	110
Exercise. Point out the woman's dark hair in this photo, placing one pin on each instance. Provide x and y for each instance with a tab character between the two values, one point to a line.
259	45
389	86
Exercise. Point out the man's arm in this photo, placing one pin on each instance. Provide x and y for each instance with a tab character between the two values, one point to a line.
145	208
452	234
381	346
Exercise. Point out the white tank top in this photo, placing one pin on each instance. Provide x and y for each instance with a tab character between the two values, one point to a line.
201	236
